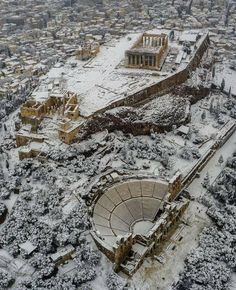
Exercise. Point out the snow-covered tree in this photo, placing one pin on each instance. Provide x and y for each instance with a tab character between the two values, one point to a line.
43	264
206	181
229	93
203	115
114	282
222	86
213	71
189	153
3	212
210	265
221	159
211	108
6	280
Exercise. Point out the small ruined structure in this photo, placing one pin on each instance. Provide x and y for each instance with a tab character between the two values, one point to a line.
63	255
65	103
132	219
148	52
87	50
27	247
68	131
58	102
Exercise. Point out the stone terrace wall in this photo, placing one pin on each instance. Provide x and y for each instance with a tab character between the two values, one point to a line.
136	126
111	123
165	85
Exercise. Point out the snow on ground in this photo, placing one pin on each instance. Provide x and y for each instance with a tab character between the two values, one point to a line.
99	81
152	274
233	286
18	266
103	79
100	282
229	75
213	167
11	155
156	276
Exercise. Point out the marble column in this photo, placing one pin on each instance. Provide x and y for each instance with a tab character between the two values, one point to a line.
153	61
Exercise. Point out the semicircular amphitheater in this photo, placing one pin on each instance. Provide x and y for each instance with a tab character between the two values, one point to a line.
128	217
130	207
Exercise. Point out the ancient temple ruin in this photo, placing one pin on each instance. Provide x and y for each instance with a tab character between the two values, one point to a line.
148	52
88	50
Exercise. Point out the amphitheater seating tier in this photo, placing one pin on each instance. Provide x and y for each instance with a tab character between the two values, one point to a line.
125	204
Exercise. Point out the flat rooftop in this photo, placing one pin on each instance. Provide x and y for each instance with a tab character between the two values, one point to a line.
104	79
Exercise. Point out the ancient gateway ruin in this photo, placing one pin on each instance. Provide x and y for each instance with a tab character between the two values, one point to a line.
148	52
131	219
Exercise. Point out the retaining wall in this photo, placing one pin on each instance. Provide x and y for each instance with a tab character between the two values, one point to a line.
165	85
208	155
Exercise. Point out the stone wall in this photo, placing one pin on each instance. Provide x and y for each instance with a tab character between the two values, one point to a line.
68	137
99	122
175	186
111	122
165	85
207	156
33	121
22	140
122	250
3	216
28	153
108	251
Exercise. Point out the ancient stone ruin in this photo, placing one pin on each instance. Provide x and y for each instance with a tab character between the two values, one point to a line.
131	219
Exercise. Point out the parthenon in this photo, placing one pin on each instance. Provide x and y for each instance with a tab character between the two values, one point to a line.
148	52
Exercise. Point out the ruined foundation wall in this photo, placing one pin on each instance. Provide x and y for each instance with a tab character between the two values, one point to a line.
110	122
28	154
22	140
103	247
